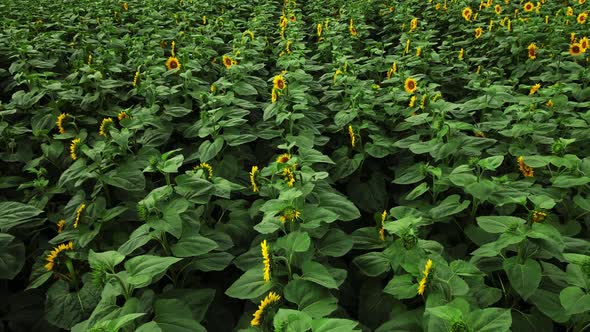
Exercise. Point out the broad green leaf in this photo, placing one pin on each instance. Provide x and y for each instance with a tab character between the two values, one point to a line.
334	325
250	285
310	298
213	261
498	224
13	214
289	320
491	163
294	242
524	278
64	308
208	150
173	315
191	244
12	256
372	263
490	320
574	300
335	243
340	205
125	177
448	207
108	259
319	274
145	269
402	287
569	181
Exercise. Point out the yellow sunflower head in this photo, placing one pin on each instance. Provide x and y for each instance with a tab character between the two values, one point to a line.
478	33
529	6
498	9
172	63
227	61
410	85
74	148
584	43
582	18
575	49
532	50
467	13
570	11
285	157
104	126
279	82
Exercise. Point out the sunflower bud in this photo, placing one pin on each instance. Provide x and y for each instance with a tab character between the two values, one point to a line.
409	239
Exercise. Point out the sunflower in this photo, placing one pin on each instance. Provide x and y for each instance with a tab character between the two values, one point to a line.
104	126
573	37
526	170
407	46
532	49
205	167
285	157
135	79
74	147
575	49
539	216
419	51
534	89
319	29
412	101
60	225
253	174
498	9
570	11
227	61
529	6
549	103
424	281
467	13
581	2
50	259
461	54
274	96
352	28
60	122
172	63
265	260
79	212
269	300
289	175
478	33
352	137
584	43
125	6
279	82
410	85
122	115
582	18
413	24
290	214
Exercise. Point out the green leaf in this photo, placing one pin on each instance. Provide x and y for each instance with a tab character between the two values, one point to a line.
149	327
446	313
549	304
64	309
208	150
335	243
250	285
173	315
173	164
340	205
197	300
108	259
12	256
569	181
402	287
498	224
450	206
14	213
417	191
334	325
319	274
310	298
372	263
192	243
289	320
214	261
491	163
524	278
294	242
490	320
481	190
574	300
125	177
146	269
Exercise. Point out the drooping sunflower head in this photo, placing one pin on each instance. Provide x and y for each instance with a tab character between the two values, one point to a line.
104	126
570	11
532	50
498	9
227	61
529	6
352	136
319	29
51	258
461	54
122	115
575	49
208	169
274	96
269	300
75	148
478	33
60	122
264	248
412	101
285	157
352	28
410	85
253	174
526	170
279	82
467	13
535	88
582	18
172	63
584	43
60	225
413	24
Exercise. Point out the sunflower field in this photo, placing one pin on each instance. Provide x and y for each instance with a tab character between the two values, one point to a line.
295	165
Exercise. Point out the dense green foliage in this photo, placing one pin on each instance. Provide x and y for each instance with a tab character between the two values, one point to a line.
319	165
